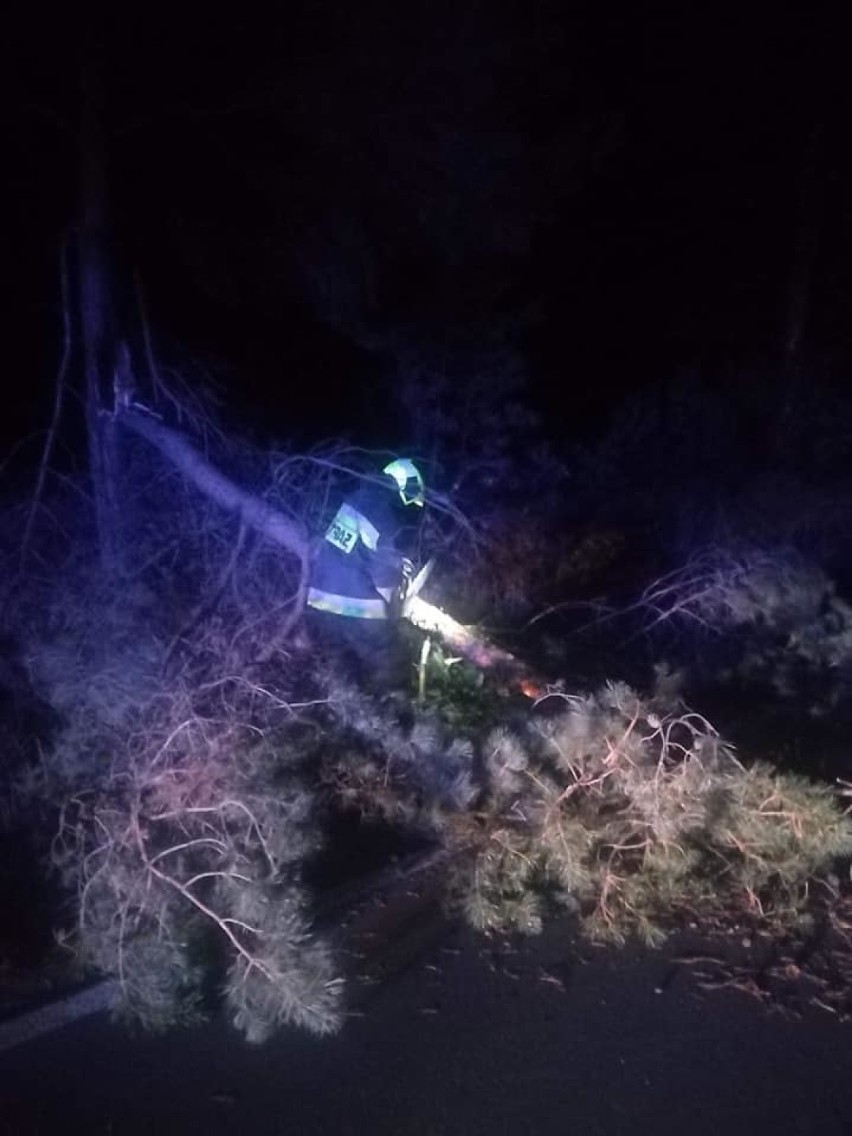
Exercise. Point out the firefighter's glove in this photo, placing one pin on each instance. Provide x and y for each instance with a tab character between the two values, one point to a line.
406	573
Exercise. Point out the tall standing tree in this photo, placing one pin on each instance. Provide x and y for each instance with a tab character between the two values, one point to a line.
97	314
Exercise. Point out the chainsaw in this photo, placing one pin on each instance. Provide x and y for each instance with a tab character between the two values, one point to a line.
411	584
416	583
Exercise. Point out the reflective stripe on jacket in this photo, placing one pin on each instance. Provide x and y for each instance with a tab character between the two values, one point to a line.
357	568
347	605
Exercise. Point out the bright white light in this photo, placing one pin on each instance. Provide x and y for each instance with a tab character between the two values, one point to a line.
430	618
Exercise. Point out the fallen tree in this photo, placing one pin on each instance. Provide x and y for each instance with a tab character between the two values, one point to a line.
629	813
291	535
191	783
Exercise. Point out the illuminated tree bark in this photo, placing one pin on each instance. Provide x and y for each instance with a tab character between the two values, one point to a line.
514	674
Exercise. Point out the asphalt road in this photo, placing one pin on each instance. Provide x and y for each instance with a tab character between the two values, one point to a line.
467	1038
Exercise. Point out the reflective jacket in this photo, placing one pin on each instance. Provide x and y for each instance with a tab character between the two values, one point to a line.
359	567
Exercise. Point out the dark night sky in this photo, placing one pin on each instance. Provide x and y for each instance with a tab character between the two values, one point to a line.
301	194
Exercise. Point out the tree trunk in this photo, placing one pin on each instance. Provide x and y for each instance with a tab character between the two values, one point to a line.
800	287
252	511
96	319
510	671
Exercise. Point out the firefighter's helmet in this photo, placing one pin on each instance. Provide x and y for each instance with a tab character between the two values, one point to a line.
408	480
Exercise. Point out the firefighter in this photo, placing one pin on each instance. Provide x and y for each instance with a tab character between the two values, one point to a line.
361	571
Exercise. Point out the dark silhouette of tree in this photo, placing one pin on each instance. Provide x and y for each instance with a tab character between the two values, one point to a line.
99	332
